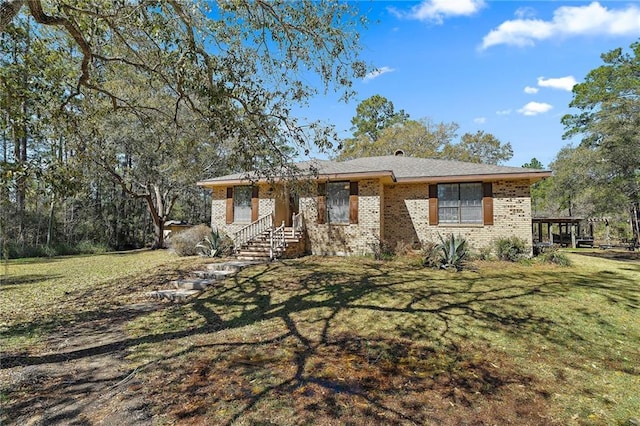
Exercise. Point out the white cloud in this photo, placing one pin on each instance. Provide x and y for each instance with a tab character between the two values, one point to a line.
480	120
531	90
592	19
562	83
535	108
437	10
377	73
504	112
525	12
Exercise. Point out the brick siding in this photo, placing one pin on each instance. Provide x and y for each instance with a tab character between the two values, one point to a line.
400	212
406	215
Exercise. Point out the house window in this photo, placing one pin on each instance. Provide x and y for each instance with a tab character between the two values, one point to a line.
460	203
338	202
242	204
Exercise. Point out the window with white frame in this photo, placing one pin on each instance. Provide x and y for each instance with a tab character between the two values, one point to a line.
242	204
338	202
460	203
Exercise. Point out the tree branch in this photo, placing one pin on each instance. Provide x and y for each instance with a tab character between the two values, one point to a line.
8	10
35	7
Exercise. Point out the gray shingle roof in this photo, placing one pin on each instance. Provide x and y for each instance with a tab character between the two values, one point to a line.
398	167
410	167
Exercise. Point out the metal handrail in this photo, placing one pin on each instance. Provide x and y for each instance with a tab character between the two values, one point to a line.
252	230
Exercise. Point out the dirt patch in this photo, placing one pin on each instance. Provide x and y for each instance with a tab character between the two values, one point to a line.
348	380
79	377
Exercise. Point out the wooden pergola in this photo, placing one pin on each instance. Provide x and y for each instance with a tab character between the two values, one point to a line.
569	231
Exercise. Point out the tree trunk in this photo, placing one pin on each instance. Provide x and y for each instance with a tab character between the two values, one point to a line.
158	227
635	221
51	219
157	215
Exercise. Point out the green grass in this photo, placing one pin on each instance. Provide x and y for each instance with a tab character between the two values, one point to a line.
335	341
39	295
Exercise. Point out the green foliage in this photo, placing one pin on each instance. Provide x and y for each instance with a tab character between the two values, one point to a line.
374	115
99	127
484	253
609	122
12	250
215	244
511	249
426	139
572	188
417	138
479	147
533	164
554	256
454	252
450	253
185	243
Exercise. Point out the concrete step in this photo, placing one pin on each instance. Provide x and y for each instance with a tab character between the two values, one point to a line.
256	247
176	295
234	266
183	289
267	242
254	253
193	283
286	237
214	275
253	258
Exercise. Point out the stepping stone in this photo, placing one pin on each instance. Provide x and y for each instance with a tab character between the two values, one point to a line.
235	266
174	295
216	275
192	284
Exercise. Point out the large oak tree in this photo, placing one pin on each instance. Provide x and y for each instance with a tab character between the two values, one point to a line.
147	79
241	65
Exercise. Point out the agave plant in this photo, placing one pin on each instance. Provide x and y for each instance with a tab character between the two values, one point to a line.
454	251
213	245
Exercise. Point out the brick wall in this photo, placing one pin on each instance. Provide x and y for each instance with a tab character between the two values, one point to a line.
345	239
406	215
266	204
219	209
401	212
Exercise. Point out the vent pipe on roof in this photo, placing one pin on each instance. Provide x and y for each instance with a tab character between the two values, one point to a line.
399	153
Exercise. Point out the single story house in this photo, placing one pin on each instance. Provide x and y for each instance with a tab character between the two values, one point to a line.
350	206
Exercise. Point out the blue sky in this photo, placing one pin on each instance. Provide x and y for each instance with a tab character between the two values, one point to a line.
504	67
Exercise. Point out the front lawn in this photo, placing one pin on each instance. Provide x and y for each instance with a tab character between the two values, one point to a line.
357	341
40	295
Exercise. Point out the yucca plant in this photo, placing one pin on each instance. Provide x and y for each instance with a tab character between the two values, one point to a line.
454	251
213	245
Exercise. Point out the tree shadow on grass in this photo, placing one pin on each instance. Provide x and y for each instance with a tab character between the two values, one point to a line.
304	349
617	255
10	281
508	308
